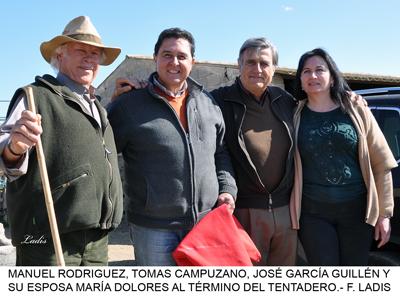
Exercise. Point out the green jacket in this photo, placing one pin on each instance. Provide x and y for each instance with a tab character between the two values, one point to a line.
82	165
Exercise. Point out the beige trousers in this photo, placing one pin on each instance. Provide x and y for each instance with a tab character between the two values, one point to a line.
272	234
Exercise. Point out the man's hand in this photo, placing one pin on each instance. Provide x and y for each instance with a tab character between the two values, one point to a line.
123	85
382	230
226	198
357	99
24	134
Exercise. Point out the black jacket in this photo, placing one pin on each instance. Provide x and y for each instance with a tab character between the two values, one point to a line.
251	191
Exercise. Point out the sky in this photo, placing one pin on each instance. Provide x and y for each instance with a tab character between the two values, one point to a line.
361	35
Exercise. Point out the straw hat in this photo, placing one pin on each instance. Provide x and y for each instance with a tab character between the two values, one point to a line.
79	30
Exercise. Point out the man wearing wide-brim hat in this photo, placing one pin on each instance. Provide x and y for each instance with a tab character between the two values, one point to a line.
80	154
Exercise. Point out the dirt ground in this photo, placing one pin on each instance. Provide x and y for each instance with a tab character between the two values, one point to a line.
120	249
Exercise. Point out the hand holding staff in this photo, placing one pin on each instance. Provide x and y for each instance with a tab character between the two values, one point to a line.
46	187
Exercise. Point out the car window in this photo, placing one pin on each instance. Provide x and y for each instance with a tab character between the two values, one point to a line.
389	122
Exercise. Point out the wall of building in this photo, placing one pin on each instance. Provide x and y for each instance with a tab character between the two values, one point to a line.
210	75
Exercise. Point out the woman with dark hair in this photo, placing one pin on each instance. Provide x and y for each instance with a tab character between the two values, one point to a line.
343	183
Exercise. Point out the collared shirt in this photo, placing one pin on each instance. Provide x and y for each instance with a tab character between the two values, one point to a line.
168	92
176	100
84	95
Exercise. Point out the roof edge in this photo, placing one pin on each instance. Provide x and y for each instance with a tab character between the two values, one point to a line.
292	72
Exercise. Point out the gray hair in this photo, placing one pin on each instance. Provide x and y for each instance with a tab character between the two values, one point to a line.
259	44
62	49
54	63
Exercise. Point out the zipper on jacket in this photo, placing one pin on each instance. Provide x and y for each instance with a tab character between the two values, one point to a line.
107	152
248	156
291	139
269	202
190	151
189	147
291	149
101	130
191	163
191	156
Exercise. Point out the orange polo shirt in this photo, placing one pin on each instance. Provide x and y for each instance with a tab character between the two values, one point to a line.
179	105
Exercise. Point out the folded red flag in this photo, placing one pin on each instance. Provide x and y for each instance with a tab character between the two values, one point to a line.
217	240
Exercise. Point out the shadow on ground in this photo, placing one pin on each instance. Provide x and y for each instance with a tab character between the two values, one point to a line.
120	249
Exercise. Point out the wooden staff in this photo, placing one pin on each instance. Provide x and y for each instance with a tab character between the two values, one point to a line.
46	187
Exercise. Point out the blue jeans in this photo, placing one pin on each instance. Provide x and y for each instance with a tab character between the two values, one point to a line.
154	247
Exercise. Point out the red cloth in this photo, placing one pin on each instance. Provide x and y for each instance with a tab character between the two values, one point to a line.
217	240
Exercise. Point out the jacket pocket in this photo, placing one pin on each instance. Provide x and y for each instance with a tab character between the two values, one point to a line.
69	178
167	200
75	201
65	185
